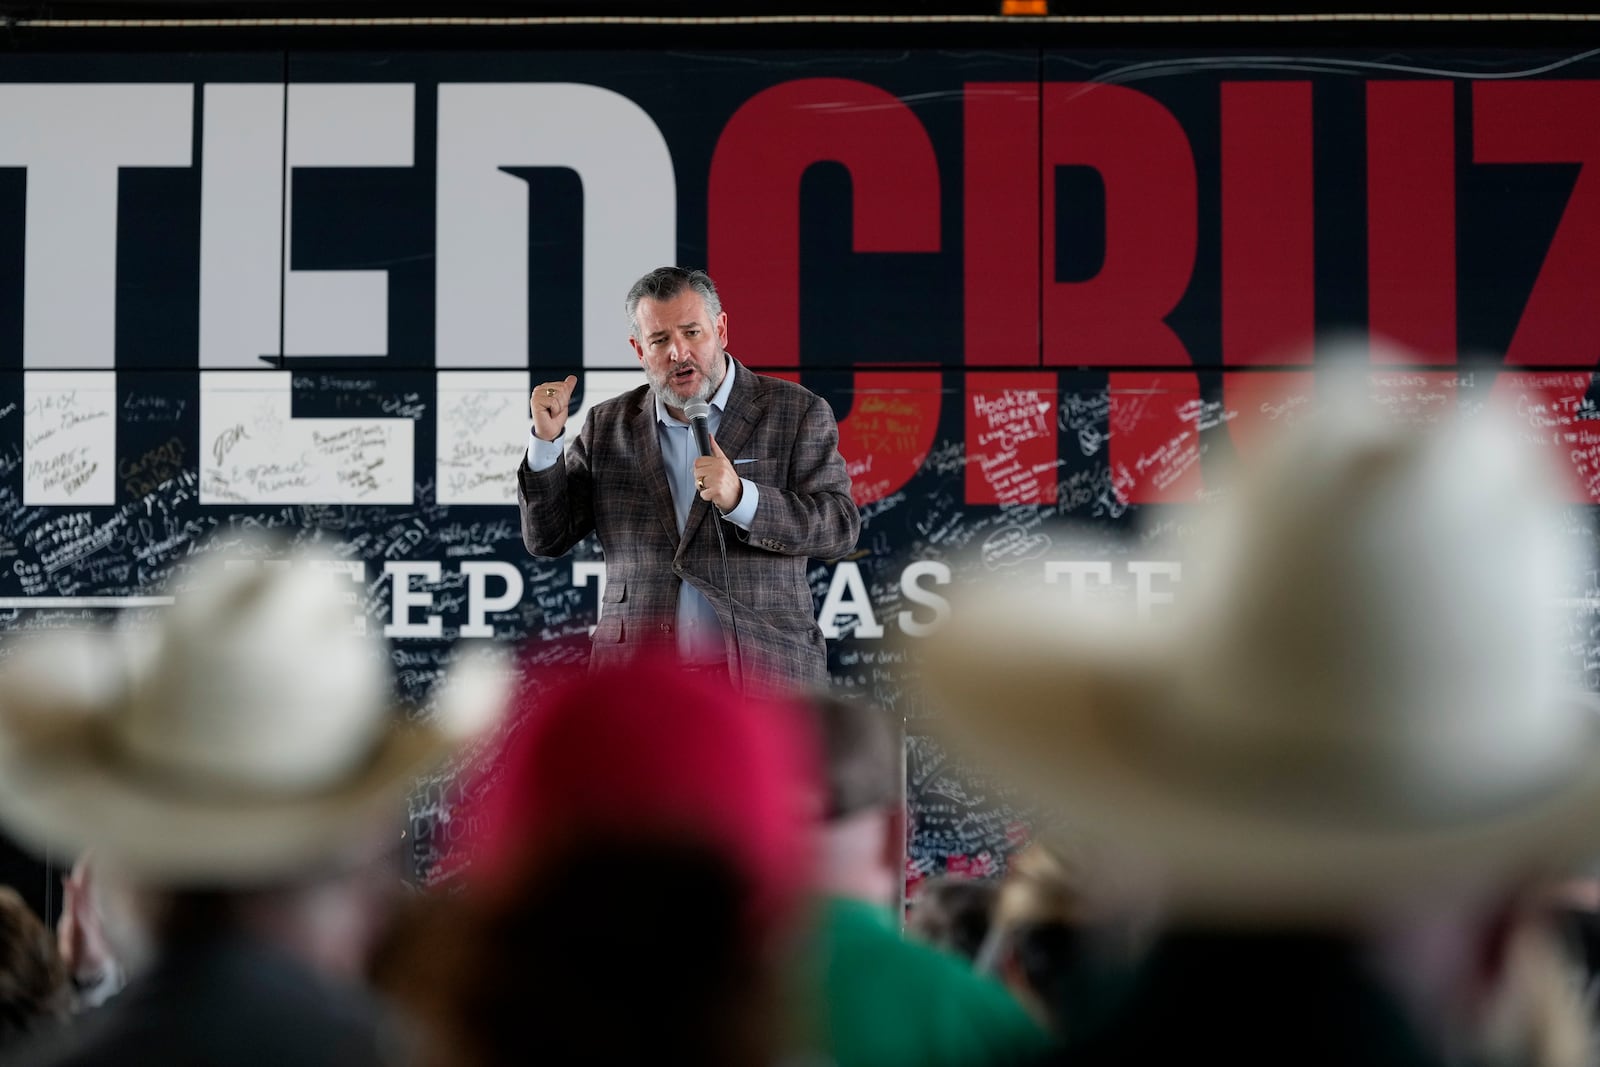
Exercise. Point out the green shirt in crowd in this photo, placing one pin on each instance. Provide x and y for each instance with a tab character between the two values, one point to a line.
885	1001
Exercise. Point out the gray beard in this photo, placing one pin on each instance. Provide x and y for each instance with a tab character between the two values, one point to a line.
708	388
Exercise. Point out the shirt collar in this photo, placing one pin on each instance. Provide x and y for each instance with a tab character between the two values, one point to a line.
719	399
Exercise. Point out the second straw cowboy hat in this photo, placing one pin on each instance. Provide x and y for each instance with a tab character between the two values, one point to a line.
248	734
1360	694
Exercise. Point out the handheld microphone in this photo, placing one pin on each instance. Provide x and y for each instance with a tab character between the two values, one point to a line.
699	413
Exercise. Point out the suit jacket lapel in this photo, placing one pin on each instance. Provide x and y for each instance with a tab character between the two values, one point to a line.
738	422
647	446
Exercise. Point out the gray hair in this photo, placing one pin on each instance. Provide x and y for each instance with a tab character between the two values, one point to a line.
664	283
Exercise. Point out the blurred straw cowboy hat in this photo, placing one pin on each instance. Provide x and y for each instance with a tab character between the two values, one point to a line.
1361	692
249	734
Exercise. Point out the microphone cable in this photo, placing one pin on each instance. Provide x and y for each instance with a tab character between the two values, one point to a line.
698	412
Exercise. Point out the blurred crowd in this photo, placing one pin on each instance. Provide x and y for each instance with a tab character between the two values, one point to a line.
1338	806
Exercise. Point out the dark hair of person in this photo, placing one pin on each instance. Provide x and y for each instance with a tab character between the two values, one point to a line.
1047	954
611	952
953	913
33	979
194	914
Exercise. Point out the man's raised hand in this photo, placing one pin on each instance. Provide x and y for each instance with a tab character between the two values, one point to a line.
548	405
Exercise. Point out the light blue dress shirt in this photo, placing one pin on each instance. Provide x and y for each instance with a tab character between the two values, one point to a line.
699	630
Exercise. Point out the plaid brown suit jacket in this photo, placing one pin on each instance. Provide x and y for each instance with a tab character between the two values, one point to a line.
611	481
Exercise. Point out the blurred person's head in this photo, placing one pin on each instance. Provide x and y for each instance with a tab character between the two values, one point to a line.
1045	883
34	992
653	752
239	764
1061	921
863	827
1356	719
1361	696
637	867
1541	1013
953	913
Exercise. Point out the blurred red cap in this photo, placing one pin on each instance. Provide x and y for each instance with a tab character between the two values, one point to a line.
651	752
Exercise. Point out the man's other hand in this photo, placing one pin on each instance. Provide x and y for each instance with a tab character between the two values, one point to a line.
716	479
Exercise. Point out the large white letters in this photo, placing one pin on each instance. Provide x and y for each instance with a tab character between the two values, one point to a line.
479	603
629	215
241	225
246	221
73	140
346	312
1144	572
1077	572
939	572
403	599
847	595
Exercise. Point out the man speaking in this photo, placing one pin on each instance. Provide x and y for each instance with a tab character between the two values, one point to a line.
769	475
